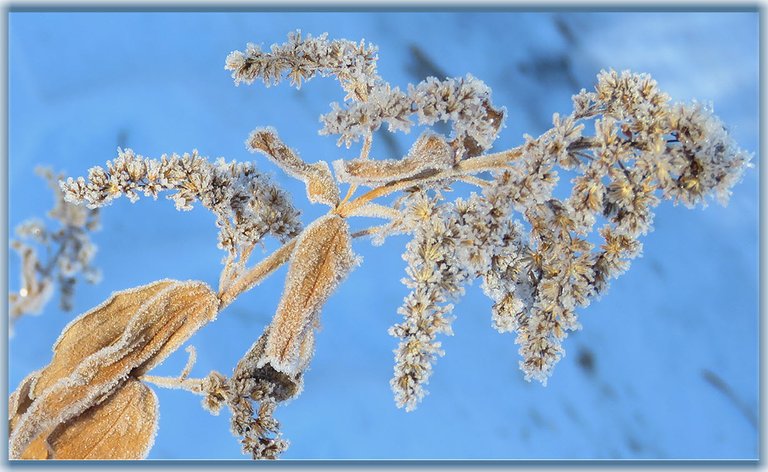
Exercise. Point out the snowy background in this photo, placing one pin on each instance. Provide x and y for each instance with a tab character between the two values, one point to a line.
666	365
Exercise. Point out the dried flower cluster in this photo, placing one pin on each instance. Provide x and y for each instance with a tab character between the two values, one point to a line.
69	252
247	204
641	151
627	146
301	59
464	102
452	244
253	380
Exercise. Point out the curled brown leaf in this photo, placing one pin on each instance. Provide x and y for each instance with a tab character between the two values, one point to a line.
430	151
321	187
121	427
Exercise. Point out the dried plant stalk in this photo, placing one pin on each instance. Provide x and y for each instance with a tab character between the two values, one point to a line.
322	258
99	354
53	256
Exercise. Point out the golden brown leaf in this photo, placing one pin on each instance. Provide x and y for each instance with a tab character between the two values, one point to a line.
121	427
98	352
322	257
94	330
321	188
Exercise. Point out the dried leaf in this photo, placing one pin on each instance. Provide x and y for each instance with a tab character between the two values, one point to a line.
20	400
96	354
121	427
322	258
255	365
430	151
321	188
100	327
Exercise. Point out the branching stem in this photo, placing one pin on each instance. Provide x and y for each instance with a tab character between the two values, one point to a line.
364	152
257	273
496	161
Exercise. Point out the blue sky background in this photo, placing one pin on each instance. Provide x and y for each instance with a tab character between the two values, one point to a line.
82	84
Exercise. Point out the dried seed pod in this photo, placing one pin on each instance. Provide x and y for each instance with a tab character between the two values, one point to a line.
430	151
100	353
254	366
322	258
321	187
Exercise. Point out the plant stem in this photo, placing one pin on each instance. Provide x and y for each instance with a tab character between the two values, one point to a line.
369	231
472	180
191	385
257	273
363	155
473	165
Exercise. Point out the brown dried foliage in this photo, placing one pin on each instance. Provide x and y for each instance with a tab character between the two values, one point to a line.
323	256
321	188
90	387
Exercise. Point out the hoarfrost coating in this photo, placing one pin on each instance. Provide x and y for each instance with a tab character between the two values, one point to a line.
540	254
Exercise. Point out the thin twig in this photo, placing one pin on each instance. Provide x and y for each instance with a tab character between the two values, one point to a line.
369	231
364	152
190	362
257	273
471	179
190	385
